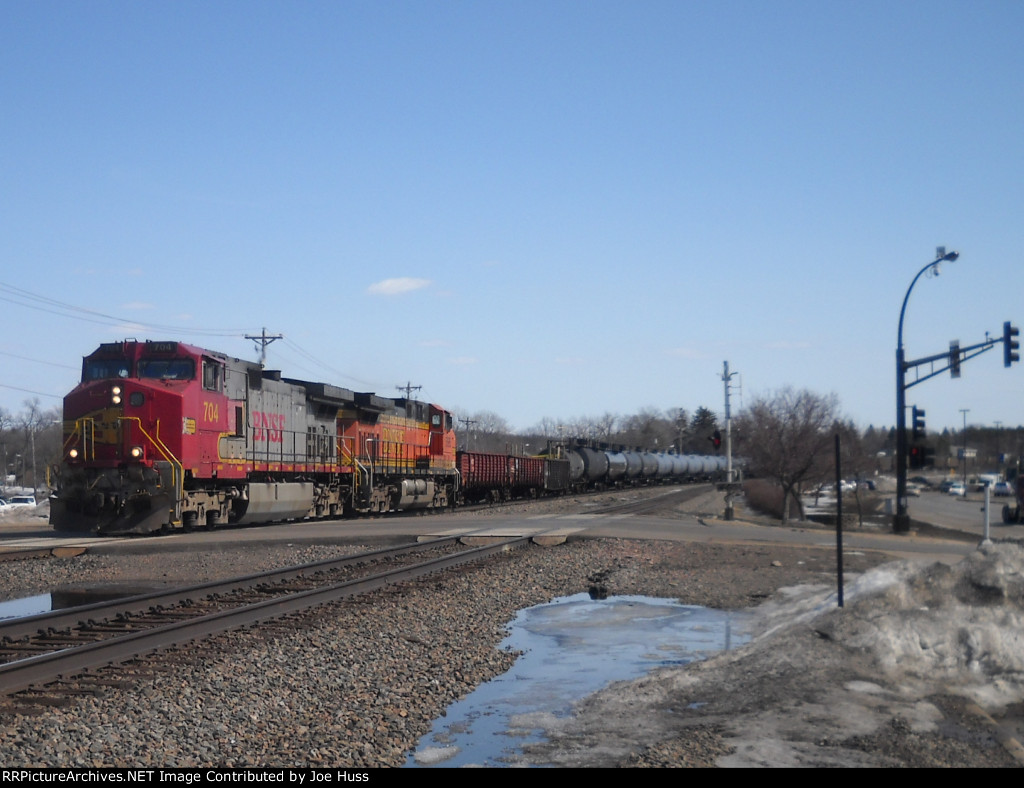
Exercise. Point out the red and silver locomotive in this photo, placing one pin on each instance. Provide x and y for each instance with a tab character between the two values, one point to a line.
164	435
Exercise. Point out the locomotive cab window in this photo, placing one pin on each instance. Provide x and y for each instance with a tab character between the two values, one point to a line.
105	368
212	375
167	368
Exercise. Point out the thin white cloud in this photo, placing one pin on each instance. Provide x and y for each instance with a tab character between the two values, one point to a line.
463	361
398	286
685	352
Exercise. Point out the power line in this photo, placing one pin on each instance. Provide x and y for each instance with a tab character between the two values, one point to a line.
40	303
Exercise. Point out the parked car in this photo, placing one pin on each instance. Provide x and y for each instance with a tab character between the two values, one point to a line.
957	488
22	500
4	504
1002	489
945	485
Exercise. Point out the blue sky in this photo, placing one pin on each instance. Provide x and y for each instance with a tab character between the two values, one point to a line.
541	209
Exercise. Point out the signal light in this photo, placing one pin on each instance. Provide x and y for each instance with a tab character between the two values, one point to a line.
716	439
954	358
916	457
918	423
1010	345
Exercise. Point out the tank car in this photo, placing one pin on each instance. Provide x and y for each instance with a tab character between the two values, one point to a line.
165	435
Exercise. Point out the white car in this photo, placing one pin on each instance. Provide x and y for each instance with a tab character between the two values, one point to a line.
1002	489
957	488
21	500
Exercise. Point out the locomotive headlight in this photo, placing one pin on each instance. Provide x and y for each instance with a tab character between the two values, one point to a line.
115	395
136	452
73	454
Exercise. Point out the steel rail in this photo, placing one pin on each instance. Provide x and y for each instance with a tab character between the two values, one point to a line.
46	668
60	620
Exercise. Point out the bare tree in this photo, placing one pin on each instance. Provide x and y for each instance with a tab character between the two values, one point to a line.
787	437
33	420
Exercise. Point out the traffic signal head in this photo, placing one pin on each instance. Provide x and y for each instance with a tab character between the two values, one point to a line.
916	457
1010	345
716	439
954	358
918	423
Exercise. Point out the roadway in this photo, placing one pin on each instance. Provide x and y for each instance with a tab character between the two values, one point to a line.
959	520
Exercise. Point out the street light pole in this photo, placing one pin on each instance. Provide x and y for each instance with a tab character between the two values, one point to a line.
901	521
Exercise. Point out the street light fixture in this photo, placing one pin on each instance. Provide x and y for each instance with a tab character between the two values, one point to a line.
901	521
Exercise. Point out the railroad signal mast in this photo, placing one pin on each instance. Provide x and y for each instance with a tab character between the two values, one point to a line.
727	376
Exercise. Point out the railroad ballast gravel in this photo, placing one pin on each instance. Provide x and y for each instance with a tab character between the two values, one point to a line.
359	688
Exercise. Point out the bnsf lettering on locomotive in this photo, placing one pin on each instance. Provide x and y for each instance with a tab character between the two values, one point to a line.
392	435
211	412
267	426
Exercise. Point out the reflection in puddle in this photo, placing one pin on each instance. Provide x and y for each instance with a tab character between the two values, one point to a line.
27	606
62	599
572	647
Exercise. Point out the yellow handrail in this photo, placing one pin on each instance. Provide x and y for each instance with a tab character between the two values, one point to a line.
87	440
177	469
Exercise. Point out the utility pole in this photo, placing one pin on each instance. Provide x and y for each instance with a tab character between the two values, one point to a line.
726	377
261	343
408	388
467	423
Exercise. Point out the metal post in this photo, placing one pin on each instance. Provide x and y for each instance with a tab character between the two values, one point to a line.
839	522
988	519
901	522
965	411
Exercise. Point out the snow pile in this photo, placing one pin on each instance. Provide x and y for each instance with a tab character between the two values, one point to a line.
958	626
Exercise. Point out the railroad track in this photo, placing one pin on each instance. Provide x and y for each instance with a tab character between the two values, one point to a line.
655	504
59	646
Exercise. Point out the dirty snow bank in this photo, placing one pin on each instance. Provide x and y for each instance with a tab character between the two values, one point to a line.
873	683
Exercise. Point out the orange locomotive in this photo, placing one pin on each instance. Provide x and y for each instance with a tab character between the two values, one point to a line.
164	435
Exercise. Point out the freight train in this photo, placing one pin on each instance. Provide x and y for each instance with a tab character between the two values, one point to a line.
161	436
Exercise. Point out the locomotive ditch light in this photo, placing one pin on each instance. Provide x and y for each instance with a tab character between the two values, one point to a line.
136	452
115	395
73	454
